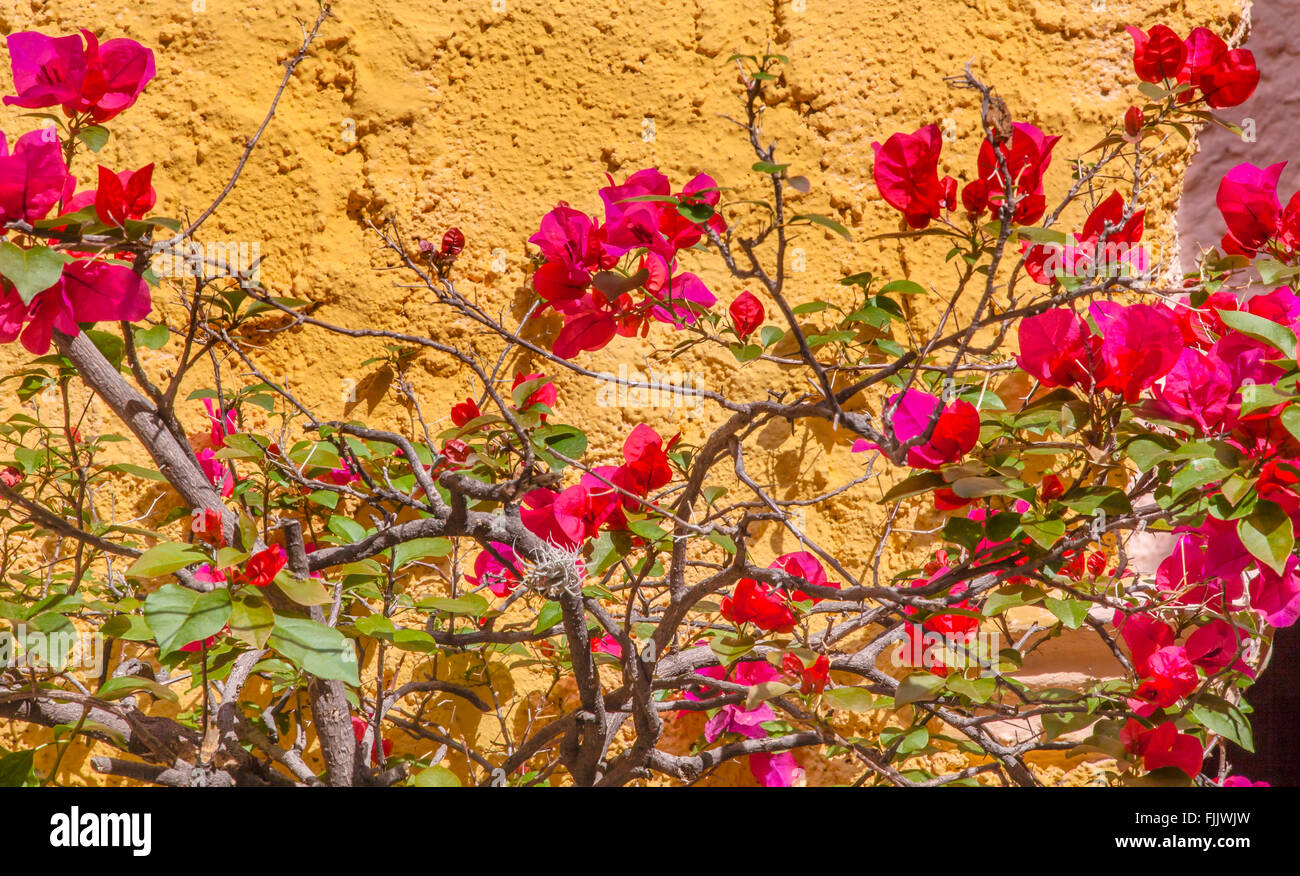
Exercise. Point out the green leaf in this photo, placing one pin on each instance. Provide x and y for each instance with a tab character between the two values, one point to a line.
471	604
163	559
16	769
764	691
179	616
1222	717
1268	535
32	270
1290	418
849	699
435	777
730	647
768	167
1070	612
125	685
1278	336
914	485
419	548
315	648
823	221
251	619
304	591
917	686
1044	531
903	287
550	615
94	136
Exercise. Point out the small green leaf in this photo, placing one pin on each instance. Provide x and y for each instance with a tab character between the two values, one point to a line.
418	549
1070	612
849	699
823	221
94	136
435	777
1272	333
163	559
125	685
1268	535
917	686
31	270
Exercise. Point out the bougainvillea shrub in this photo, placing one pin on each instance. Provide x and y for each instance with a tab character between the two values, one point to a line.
320	596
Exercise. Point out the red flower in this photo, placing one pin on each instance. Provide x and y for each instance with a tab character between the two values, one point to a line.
1027	157
1172	677
123	196
1163	746
206	527
263	566
1144	635
802	564
645	466
746	313
1051	488
1249	203
33	177
499	578
1158	54
975	198
813	679
10	476
465	412
453	241
907	175
757	603
456	451
359	726
1134	121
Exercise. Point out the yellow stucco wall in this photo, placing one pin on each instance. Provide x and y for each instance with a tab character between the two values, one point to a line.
483	113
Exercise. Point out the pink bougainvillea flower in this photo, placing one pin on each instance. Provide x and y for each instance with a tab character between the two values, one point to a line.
682	233
802	564
1144	635
567	518
499	577
590	323
570	241
48	71
197	646
1276	596
1183	576
102	79
607	645
762	605
208	575
1279	483
1027	157
735	718
778	770
747	313
1158	54
217	472
33	177
1140	344
632	224
123	196
1231	81
1241	782
1248	200
1163	746
1059	349
1171	676
907	174
220	427
1214	646
681	295
116	73
956	429
1196	391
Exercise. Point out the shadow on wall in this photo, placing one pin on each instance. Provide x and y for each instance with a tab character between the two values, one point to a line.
1270	135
